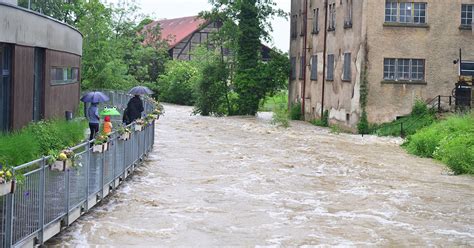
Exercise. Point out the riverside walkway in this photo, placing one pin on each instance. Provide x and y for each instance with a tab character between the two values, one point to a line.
242	182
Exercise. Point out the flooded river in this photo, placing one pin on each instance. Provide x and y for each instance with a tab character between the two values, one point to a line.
243	182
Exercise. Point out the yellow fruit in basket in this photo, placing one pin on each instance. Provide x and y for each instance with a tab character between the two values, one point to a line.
62	156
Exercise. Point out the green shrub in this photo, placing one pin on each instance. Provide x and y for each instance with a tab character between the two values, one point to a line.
178	82
280	116
363	125
295	111
211	90
458	153
271	102
421	116
323	122
450	141
37	139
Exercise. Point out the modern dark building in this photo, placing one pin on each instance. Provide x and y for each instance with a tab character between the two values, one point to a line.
40	60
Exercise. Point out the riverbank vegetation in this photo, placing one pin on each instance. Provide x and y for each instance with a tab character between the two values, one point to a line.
38	139
450	141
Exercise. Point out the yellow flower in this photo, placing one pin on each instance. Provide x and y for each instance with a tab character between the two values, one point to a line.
2	173
9	174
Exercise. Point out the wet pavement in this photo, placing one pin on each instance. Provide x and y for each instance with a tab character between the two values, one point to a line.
240	181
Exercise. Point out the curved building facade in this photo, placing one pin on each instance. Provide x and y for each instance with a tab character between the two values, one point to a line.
40	60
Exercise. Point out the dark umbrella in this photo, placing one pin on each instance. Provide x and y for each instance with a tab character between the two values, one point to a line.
95	97
140	90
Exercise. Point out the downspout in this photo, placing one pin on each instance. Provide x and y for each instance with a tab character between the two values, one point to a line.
305	20
324	55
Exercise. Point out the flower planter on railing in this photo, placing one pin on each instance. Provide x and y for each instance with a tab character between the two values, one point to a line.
61	165
6	188
100	148
124	136
138	127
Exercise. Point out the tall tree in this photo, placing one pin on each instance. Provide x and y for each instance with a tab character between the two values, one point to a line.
253	18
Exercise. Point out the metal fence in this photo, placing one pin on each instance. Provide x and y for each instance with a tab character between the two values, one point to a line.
47	200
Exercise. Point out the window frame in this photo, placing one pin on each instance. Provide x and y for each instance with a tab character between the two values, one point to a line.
294	27
394	15
293	68
347	68
314	67
315	29
66	72
410	66
330	68
467	25
348	14
302	58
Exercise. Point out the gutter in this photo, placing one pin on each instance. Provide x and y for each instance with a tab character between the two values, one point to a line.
324	55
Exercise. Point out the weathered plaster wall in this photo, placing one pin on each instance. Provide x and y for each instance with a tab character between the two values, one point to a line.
438	44
341	98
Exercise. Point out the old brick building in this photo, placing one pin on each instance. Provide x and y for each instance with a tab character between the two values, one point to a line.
405	49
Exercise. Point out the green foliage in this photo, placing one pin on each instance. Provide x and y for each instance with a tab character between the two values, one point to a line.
450	141
420	117
280	115
363	125
38	139
211	90
323	122
270	102
253	80
295	111
178	82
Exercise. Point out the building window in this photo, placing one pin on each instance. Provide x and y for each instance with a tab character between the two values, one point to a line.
467	68
303	23
347	74
332	17
314	67
405	12
467	12
404	69
294	25
293	68
316	21
330	71
301	67
348	15
64	75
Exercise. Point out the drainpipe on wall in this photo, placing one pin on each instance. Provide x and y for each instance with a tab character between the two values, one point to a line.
305	21
324	54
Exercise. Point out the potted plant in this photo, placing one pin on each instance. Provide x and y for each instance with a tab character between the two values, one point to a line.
124	133
100	143
62	161
139	123
6	180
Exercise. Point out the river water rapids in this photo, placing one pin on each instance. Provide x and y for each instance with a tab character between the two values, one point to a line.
239	181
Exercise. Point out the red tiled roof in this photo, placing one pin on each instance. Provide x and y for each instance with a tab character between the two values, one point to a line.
175	30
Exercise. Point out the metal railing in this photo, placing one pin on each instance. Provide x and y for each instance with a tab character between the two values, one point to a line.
47	200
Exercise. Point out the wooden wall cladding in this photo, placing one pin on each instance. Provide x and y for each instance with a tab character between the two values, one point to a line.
22	87
65	97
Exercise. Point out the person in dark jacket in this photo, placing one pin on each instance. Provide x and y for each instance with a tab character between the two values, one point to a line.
134	109
94	119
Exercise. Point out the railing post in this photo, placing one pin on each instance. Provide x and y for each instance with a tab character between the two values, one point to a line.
450	101
439	103
88	169
402	133
8	242
41	199
68	199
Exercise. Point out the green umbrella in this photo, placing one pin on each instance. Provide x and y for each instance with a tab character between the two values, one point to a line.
109	111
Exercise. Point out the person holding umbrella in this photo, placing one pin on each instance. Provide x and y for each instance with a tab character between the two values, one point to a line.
135	105
94	98
94	119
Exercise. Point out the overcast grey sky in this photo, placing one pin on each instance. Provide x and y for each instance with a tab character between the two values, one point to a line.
160	9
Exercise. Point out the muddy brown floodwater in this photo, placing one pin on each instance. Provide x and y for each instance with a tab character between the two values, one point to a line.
242	182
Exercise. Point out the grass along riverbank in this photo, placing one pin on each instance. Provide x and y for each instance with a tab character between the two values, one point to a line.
37	139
